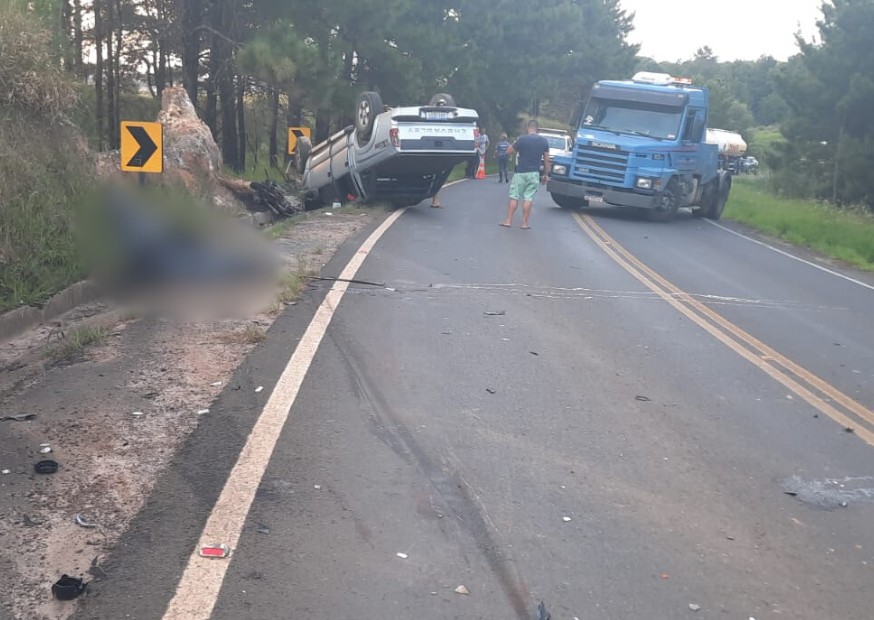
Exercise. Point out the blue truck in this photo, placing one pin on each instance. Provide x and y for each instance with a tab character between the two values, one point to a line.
641	143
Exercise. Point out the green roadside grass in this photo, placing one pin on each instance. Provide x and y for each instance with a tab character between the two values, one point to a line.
847	235
257	173
458	172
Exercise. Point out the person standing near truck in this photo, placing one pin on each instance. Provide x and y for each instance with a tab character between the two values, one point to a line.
503	159
532	148
482	145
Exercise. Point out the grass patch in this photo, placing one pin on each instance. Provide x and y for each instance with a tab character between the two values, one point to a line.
292	285
72	346
252	334
259	173
843	234
41	184
44	167
280	228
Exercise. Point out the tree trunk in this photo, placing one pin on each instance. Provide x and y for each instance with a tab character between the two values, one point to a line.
323	126
211	116
294	117
222	60
192	14
77	38
241	122
274	126
67	42
150	74
116	66
228	98
161	66
836	172
98	70
110	74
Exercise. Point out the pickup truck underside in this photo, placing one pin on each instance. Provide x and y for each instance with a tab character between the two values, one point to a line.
400	155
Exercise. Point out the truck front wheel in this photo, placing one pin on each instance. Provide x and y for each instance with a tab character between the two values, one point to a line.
669	203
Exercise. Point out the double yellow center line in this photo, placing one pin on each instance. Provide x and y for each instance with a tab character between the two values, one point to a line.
818	393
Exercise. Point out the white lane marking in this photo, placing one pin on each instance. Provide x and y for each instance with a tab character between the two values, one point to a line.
792	256
199	587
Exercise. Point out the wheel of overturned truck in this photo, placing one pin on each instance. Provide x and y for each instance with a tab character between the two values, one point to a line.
302	153
369	107
668	205
442	99
568	202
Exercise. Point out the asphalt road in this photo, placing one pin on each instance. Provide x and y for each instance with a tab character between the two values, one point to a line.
619	418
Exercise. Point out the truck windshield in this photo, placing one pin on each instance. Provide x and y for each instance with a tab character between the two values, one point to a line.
655	121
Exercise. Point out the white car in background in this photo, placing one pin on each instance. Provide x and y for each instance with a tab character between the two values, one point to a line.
560	143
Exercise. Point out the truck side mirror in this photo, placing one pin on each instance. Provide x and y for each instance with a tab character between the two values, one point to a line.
578	115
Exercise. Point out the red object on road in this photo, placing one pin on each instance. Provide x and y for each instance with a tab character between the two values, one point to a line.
215	551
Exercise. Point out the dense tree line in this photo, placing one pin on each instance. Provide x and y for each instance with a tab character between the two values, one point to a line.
829	87
304	61
743	93
254	66
820	99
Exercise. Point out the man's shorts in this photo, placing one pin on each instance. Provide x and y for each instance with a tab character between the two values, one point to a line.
524	185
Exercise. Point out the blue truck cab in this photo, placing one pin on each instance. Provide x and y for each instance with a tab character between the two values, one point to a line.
641	143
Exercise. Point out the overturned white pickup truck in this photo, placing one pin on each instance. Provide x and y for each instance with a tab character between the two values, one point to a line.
398	155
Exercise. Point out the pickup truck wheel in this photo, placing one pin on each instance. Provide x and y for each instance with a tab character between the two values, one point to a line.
669	204
369	107
442	99
567	202
302	153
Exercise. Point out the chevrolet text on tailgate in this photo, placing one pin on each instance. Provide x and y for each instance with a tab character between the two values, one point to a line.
400	155
641	143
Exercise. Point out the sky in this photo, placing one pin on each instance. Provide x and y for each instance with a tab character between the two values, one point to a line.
670	30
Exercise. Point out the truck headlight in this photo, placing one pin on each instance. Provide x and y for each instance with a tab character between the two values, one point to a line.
643	183
559	169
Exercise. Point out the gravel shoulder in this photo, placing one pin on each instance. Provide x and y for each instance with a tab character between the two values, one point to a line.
114	413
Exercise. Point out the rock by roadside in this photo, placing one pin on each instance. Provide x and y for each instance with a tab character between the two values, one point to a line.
109	457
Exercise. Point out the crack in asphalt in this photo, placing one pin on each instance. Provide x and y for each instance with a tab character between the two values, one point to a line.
584	293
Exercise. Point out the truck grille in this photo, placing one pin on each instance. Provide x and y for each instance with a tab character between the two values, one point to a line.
597	165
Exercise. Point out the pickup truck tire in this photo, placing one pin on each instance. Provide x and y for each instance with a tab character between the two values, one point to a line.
442	99
669	204
369	107
568	202
302	153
